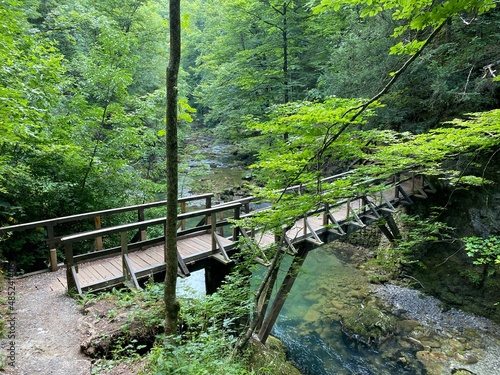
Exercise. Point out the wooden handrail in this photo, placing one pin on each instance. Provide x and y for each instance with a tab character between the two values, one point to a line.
144	224
90	215
52	240
72	260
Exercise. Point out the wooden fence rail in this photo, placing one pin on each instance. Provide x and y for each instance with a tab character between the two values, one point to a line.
52	240
209	223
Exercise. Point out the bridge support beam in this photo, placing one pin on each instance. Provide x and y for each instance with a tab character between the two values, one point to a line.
394	227
386	232
215	273
391	231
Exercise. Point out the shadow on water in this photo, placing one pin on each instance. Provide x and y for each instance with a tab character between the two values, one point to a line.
326	291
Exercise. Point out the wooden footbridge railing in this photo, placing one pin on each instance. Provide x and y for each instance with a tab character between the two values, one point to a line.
205	235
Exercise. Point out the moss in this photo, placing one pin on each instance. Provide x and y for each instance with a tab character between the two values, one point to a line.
369	325
270	358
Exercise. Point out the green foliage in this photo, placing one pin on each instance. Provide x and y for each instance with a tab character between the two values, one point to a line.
484	251
417	15
297	134
209	327
426	152
418	235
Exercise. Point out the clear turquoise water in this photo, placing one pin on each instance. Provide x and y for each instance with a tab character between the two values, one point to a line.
309	322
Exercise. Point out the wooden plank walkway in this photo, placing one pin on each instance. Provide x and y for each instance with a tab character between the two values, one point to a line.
190	249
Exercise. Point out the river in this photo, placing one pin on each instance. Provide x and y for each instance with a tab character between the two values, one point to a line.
427	338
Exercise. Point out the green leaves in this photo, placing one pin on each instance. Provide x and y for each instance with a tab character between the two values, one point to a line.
418	16
297	132
484	251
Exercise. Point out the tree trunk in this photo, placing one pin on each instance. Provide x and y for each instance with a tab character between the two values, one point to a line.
171	304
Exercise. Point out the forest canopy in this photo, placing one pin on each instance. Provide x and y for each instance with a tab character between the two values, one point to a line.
305	88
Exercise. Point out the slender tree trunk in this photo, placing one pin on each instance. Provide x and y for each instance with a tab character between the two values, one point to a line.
171	303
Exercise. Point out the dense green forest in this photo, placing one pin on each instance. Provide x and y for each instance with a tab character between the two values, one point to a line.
83	88
303	89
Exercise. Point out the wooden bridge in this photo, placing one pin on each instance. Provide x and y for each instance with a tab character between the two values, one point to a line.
205	236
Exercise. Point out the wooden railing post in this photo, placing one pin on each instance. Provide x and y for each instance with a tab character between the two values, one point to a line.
236	232
52	248
183	210
124	252
208	204
140	217
213	223
70	262
98	240
325	214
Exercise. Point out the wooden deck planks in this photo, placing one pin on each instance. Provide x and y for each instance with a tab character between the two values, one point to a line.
90	273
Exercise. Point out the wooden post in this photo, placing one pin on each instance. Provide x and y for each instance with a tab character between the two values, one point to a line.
140	217
70	262
393	226
213	230
124	252
208	204
387	233
52	248
236	231
280	298
183	210
215	273
98	240
325	214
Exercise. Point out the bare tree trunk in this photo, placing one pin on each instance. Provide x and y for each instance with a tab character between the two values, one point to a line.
171	303
262	296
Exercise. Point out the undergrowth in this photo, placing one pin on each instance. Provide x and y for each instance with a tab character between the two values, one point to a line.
208	329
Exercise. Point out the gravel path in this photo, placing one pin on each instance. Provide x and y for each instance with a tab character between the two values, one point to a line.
47	335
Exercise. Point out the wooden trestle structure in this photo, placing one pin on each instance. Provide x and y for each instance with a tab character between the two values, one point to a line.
206	239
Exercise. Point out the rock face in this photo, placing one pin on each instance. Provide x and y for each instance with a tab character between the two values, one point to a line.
448	272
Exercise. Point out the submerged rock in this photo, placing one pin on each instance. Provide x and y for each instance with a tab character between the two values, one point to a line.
369	325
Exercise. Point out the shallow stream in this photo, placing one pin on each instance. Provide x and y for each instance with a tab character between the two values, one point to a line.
424	340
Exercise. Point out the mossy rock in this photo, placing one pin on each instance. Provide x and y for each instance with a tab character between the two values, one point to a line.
369	325
271	357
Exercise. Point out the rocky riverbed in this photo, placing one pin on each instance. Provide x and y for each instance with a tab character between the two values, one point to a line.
336	322
447	340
